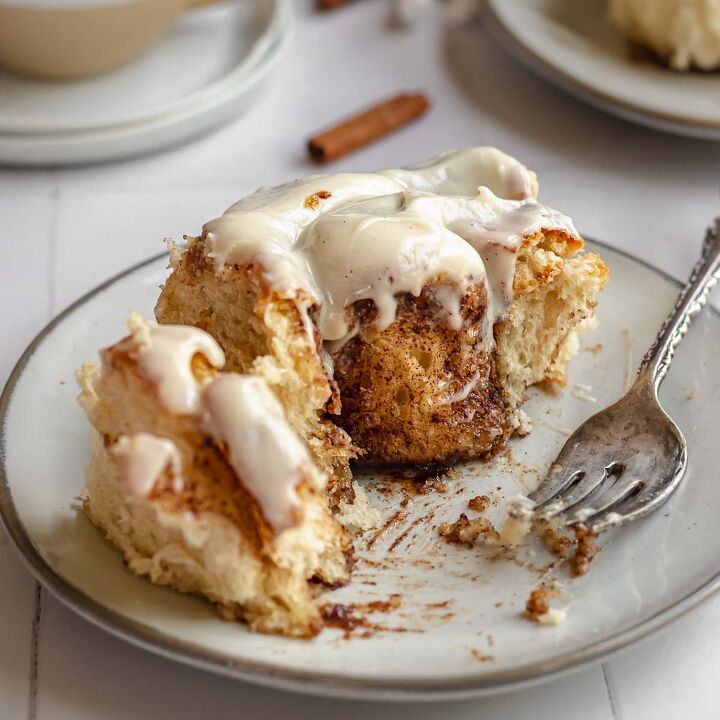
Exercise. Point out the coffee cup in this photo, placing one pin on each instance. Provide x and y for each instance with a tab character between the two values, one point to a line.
65	39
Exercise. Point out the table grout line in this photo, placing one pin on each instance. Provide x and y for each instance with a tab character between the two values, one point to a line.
35	635
52	253
611	694
35	647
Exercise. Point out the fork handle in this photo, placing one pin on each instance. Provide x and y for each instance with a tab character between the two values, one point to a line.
690	302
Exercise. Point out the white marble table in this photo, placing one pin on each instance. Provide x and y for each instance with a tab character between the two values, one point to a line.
63	231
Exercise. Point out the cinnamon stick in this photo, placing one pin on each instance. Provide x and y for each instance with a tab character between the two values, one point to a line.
330	4
369	125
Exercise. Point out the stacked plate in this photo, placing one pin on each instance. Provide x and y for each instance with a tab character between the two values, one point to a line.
573	45
199	76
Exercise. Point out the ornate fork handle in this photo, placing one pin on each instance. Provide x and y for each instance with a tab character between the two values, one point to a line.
690	302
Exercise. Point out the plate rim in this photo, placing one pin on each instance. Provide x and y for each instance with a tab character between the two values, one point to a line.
301	680
538	64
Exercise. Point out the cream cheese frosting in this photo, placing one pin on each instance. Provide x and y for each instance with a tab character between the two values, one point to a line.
240	412
685	32
165	354
331	240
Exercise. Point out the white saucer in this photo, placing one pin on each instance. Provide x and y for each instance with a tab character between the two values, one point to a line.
572	44
461	612
199	75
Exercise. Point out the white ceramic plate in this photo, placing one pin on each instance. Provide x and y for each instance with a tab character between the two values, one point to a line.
201	74
461	627
573	45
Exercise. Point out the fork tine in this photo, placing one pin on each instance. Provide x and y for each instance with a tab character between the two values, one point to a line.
571	494
635	505
623	490
553	484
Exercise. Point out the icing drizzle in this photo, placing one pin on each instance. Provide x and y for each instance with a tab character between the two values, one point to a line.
331	240
240	412
142	458
165	354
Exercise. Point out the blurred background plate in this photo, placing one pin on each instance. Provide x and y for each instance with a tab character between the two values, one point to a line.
573	45
200	75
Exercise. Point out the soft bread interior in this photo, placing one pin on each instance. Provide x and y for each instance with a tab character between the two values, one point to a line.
555	297
209	536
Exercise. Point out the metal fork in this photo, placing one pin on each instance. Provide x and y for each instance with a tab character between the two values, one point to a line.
626	460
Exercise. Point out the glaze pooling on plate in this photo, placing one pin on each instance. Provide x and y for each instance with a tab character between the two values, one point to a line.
332	240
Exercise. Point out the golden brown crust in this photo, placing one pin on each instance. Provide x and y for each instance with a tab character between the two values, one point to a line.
418	392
